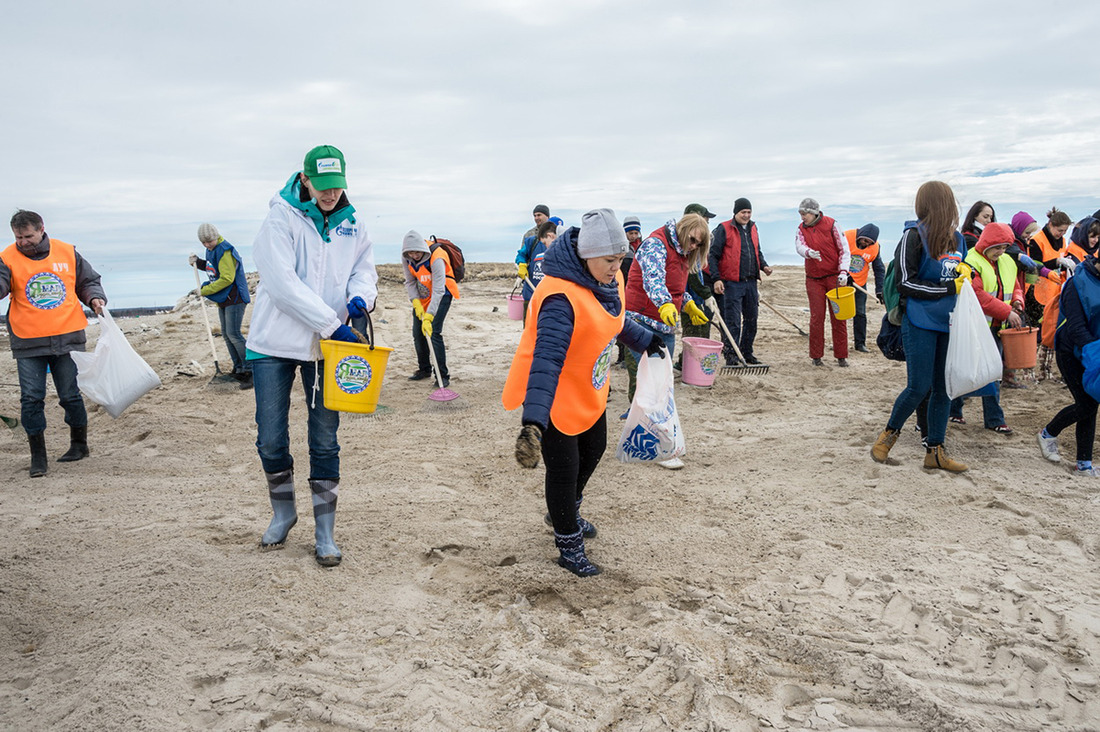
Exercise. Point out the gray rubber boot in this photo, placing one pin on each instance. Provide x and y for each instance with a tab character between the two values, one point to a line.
78	445
280	489
39	461
325	493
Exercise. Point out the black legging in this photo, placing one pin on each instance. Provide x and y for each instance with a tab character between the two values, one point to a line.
570	461
1083	409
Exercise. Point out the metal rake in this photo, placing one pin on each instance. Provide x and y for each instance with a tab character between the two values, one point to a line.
741	368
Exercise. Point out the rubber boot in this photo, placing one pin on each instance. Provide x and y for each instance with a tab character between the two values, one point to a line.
280	489
324	514
573	558
882	445
588	531
39	462
936	457
78	445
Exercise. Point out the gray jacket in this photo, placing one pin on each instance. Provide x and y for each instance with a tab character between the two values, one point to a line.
88	288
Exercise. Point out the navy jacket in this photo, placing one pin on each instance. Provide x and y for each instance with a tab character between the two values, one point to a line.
1079	310
555	326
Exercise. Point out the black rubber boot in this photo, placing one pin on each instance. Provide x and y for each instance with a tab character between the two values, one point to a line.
39	461
78	445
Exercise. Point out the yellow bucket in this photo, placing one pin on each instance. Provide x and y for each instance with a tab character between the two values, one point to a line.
353	375
843	302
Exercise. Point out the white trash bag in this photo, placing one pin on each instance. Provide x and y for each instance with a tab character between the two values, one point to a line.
973	360
114	375
652	430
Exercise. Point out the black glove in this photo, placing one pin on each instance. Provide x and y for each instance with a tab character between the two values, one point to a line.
656	346
881	299
529	446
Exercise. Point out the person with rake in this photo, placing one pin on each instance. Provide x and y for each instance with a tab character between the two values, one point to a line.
316	268
430	284
561	371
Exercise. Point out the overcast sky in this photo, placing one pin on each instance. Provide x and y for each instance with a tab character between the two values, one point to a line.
129	123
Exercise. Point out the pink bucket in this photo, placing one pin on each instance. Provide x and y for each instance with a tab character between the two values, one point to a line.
515	306
700	361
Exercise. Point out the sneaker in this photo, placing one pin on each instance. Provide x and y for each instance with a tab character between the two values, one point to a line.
1049	447
881	449
753	360
1001	429
936	458
1087	472
818	362
956	420
671	464
842	363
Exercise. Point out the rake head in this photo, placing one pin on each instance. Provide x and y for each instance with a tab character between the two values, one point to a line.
743	369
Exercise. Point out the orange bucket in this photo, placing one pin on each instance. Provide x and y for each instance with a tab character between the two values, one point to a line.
1019	345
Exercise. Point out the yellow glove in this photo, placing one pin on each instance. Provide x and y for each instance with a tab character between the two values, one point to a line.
418	309
669	315
697	316
426	324
963	270
522	270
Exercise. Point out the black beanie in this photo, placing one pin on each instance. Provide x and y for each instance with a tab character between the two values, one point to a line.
543	209
740	205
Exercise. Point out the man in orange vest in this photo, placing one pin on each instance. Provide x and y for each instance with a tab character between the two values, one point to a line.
863	245
47	280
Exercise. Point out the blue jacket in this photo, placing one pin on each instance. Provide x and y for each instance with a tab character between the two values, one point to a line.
1079	310
555	326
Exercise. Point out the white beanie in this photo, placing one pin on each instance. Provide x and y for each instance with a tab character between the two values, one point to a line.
601	235
208	232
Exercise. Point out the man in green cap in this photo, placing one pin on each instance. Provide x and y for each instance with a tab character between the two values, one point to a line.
316	268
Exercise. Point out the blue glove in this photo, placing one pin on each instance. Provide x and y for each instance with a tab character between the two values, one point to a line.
357	307
656	346
344	333
1028	262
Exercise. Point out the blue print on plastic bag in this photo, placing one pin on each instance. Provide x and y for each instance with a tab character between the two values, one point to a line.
641	444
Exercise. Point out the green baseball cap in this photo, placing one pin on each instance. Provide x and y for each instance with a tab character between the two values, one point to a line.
324	166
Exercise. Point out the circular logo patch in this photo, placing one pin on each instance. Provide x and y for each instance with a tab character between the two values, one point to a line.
45	291
709	364
602	368
353	374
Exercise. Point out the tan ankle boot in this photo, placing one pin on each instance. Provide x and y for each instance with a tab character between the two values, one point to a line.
882	445
936	457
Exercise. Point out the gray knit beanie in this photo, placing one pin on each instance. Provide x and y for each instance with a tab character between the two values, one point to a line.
809	205
413	242
208	232
601	235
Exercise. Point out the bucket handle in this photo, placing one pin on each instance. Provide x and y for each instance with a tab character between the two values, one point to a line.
515	287
367	338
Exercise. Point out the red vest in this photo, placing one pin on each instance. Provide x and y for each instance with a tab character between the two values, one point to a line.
43	292
676	276
729	267
820	237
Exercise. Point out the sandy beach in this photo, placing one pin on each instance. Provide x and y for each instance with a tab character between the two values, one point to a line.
781	580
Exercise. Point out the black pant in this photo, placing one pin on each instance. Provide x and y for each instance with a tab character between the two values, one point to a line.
859	320
570	461
1082	411
420	343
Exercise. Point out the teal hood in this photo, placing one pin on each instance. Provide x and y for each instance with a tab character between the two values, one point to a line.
292	193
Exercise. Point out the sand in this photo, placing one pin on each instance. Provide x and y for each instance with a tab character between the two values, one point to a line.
781	580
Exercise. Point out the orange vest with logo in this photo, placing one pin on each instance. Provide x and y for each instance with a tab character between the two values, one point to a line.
423	274
581	395
860	266
1045	290
43	292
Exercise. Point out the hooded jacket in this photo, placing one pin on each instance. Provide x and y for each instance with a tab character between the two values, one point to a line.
310	265
441	275
1079	310
556	326
1078	247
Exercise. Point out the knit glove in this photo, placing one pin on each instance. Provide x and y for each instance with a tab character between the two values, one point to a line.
521	268
357	307
344	333
426	324
813	254
1055	276
697	316
529	446
1027	262
842	279
418	309
669	315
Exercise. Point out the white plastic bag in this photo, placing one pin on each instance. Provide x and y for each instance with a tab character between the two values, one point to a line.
972	357
652	430
114	375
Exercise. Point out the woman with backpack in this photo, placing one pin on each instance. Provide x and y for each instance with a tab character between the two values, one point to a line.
930	275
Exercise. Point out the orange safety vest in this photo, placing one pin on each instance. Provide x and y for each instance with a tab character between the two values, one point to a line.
860	266
43	292
422	272
1045	290
581	396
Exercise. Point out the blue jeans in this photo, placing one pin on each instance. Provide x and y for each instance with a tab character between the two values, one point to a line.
231	317
32	391
273	379
740	306
925	359
420	343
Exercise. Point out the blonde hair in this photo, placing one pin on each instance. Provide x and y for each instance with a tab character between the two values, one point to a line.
693	225
937	209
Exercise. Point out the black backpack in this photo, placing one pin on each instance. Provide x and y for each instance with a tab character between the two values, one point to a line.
458	261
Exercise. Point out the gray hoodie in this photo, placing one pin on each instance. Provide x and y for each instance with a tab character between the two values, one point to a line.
413	242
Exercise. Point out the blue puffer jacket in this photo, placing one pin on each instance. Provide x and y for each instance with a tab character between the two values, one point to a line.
555	326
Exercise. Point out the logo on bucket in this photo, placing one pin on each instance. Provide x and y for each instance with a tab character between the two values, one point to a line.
45	291
602	368
709	364
353	374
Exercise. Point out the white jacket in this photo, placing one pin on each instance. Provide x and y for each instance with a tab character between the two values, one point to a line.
305	282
